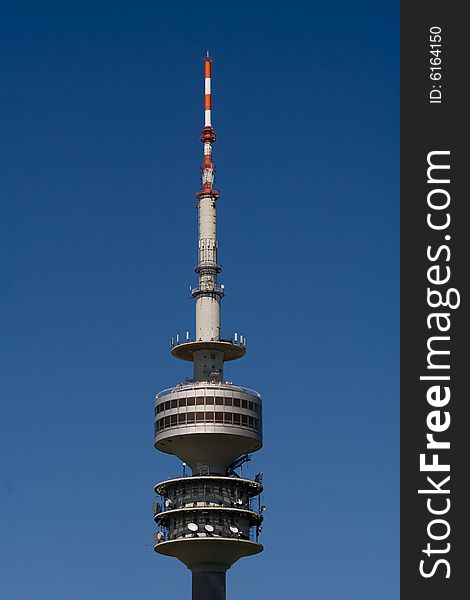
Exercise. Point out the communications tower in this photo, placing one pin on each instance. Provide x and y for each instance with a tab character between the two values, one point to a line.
213	517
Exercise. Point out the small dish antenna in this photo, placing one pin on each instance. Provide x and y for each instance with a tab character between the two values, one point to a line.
192	527
158	537
233	529
209	528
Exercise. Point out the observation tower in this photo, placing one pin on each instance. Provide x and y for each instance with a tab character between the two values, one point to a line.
212	517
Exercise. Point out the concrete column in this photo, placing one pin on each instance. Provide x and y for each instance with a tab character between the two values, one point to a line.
207	218
209	582
208	302
208	365
208	318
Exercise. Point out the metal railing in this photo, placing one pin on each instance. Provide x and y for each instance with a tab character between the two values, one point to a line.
207	384
164	535
237	339
201	502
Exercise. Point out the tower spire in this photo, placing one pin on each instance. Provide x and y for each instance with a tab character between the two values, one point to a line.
208	133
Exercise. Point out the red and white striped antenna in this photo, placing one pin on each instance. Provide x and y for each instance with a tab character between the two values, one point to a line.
208	134
207	90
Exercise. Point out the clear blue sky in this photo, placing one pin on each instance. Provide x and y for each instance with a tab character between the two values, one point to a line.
101	109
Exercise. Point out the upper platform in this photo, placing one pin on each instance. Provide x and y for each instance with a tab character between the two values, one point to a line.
231	349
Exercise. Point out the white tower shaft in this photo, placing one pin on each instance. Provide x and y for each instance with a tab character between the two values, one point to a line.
209	296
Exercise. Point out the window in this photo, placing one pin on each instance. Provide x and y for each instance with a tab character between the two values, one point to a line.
190	401
190	417
256	407
209	400
182	402
200	417
209	417
250	405
236	401
219	417
244	404
167	405
174	403
236	419
228	401
244	420
250	422
173	419
219	400
182	419
167	421
228	418
200	401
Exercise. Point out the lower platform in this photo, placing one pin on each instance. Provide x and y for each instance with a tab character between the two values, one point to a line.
194	552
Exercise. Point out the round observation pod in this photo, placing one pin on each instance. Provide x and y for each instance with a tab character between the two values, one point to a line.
208	425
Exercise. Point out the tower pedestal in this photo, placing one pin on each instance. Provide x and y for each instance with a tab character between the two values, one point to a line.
209	582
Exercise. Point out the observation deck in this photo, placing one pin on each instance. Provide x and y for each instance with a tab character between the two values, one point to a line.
208	425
